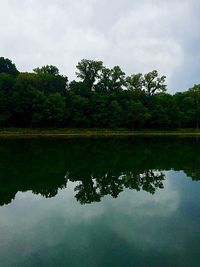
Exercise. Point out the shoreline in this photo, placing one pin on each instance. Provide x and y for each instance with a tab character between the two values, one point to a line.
94	132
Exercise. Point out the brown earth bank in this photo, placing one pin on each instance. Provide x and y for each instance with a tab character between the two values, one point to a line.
16	132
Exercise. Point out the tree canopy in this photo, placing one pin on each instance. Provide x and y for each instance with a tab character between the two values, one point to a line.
7	66
48	69
89	71
102	97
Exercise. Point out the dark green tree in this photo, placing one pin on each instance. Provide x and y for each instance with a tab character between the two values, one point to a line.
89	72
54	107
50	81
153	83
135	82
7	66
39	113
111	80
48	69
7	82
78	111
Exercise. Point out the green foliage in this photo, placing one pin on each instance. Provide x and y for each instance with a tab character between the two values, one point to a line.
136	115
38	109
5	112
79	88
89	71
7	82
49	83
114	114
7	66
135	82
150	83
104	98
48	69
153	83
78	111
110	80
189	104
54	106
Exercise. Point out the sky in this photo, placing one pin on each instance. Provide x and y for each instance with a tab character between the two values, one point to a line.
139	36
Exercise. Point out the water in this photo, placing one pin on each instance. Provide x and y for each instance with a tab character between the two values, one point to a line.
100	202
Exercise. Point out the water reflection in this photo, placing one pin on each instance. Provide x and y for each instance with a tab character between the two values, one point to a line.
98	166
93	189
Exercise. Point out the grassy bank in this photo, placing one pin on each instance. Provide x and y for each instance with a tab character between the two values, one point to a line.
16	132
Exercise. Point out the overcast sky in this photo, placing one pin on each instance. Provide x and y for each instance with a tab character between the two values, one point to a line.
139	36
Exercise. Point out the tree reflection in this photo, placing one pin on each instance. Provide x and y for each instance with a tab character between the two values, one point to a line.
98	167
94	188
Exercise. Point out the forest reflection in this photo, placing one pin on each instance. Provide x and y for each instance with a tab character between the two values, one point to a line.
93	188
98	167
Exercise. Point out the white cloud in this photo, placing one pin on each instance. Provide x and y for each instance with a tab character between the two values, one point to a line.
137	35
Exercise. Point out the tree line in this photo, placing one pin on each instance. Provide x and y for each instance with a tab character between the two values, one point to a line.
101	97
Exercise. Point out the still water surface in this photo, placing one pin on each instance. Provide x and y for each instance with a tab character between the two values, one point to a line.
100	202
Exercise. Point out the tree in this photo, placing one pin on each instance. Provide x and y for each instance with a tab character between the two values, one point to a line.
7	66
49	83
6	90
135	82
89	71
114	114
110	80
50	80
164	112
7	82
117	79
191	105
48	69
38	109
150	83
54	106
78	110
79	88
153	83
104	82
5	112
135	114
22	105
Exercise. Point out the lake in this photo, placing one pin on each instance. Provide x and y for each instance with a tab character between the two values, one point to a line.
100	202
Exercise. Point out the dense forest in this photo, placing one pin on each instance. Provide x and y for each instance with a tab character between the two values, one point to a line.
100	98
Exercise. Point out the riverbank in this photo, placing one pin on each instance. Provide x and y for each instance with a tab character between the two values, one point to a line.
13	132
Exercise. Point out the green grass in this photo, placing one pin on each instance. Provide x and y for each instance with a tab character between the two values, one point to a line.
19	132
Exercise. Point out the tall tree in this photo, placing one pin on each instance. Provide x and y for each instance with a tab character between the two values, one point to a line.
50	81
48	69
7	66
135	82
111	80
153	83
89	72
